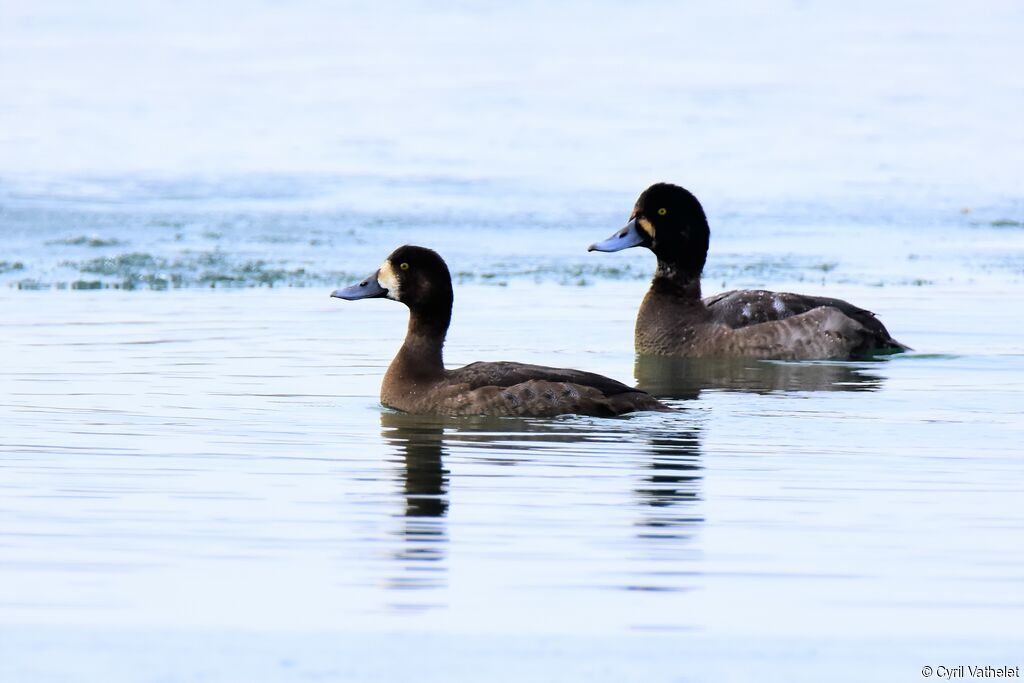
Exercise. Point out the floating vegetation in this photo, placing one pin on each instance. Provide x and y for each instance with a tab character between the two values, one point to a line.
156	247
997	223
116	265
739	268
83	241
141	270
31	284
577	274
221	268
86	284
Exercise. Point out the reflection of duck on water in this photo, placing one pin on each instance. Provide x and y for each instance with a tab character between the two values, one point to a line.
675	377
420	446
671	487
667	491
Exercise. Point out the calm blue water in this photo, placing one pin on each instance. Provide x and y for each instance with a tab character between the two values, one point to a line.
200	484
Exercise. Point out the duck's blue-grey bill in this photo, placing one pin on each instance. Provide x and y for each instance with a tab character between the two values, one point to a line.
629	236
367	289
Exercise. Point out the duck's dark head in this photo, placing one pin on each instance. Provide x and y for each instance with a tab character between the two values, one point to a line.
415	276
668	220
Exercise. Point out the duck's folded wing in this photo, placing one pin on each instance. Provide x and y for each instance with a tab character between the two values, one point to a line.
821	333
507	374
740	308
539	391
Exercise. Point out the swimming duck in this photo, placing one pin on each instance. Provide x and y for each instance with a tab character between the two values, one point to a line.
674	321
417	381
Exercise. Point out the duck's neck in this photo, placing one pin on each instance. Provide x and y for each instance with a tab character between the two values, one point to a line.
421	356
672	280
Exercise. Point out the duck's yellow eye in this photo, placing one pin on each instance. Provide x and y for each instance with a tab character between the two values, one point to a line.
662	212
404	266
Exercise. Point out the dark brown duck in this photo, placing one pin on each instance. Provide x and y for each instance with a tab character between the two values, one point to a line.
674	321
417	381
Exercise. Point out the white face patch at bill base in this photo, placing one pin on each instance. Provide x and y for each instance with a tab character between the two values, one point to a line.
387	279
645	225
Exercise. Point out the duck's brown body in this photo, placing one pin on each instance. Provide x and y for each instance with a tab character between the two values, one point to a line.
674	321
417	381
511	389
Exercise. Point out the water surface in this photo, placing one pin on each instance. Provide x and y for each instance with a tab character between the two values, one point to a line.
198	479
203	465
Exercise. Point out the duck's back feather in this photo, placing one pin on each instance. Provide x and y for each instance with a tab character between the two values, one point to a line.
506	388
822	332
507	373
741	308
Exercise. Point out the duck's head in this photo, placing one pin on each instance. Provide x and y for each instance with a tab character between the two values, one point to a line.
668	220
415	276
